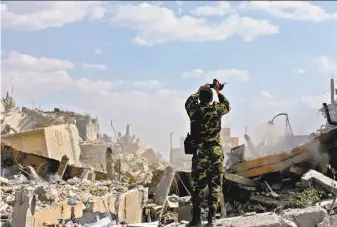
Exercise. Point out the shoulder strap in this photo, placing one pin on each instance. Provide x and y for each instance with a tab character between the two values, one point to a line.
196	123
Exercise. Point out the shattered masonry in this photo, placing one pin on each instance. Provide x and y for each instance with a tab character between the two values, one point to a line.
58	170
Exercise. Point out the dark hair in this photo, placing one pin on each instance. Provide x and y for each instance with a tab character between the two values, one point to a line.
206	95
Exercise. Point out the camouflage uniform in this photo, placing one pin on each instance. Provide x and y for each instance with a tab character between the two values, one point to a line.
207	163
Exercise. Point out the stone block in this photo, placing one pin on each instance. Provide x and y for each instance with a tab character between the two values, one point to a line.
333	220
185	212
325	222
130	206
164	186
307	217
24	208
319	178
259	220
60	211
101	205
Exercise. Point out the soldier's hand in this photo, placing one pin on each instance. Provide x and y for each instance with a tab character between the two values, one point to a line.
217	86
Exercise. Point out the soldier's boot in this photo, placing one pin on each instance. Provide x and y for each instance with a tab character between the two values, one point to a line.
196	221
211	218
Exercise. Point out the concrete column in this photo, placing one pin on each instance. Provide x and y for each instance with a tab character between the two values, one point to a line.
109	163
164	186
222	206
332	86
118	167
63	166
24	208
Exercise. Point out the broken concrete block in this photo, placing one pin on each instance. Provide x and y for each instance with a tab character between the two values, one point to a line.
185	209
324	223
24	208
118	165
333	220
51	142
164	186
103	204
326	204
88	174
63	166
307	217
319	178
258	220
3	206
43	194
185	212
130	206
57	212
172	201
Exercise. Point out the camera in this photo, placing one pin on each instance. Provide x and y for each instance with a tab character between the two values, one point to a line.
215	82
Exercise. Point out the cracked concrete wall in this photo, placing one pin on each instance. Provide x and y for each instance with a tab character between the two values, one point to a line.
51	142
88	128
29	119
63	140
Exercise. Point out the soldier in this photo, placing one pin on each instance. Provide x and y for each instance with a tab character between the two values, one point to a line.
207	163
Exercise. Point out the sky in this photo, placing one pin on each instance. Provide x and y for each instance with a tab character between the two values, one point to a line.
137	62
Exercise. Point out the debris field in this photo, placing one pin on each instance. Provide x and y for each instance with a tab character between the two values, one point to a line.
58	170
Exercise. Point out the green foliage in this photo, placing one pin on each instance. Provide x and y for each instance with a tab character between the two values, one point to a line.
305	198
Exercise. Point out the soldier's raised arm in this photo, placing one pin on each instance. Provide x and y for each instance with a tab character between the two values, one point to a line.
223	106
191	104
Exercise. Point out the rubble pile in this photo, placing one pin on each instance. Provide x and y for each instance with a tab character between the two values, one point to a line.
14	120
288	183
71	192
52	134
281	194
59	171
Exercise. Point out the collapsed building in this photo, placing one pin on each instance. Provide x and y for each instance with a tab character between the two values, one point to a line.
57	170
57	161
291	171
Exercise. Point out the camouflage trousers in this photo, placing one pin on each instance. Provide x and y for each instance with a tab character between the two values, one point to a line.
207	169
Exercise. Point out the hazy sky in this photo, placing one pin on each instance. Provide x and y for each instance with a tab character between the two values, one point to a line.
137	62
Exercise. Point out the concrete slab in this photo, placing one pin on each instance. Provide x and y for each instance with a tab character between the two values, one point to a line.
307	217
24	208
51	142
164	186
319	178
258	220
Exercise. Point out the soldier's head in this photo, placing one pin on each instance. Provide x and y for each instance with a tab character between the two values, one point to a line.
206	95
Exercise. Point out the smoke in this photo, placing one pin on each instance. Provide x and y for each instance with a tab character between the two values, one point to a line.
52	178
267	139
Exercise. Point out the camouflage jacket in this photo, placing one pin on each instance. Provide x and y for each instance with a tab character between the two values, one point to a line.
211	117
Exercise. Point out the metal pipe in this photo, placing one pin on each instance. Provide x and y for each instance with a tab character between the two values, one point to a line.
250	144
327	113
287	121
332	86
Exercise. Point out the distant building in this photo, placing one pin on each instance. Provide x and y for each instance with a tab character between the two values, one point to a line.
180	160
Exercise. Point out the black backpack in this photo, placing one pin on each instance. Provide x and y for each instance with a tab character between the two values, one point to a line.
192	139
